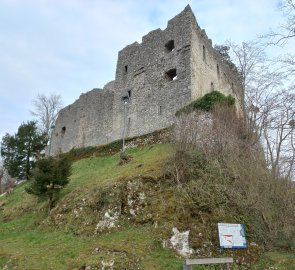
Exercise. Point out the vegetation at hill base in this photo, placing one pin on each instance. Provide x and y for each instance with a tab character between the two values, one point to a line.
113	216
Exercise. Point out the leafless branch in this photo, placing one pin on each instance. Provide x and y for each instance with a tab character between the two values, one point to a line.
46	110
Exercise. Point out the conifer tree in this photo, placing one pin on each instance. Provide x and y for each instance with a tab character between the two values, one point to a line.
20	151
49	177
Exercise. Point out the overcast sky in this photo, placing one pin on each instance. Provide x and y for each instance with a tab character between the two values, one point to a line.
69	47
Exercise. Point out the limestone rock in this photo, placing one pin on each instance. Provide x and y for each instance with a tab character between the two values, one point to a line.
180	243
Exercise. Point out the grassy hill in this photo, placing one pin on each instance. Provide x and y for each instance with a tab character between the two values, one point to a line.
30	240
115	216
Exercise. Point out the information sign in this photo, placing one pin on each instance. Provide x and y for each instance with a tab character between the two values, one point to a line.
231	235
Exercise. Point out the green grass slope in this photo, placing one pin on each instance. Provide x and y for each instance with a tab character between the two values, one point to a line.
29	241
144	205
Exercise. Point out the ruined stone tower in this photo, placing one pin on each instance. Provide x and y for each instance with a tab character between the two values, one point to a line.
166	71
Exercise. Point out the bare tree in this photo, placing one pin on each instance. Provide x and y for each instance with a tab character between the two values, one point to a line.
250	60
287	29
269	105
46	109
286	63
284	33
248	57
6	181
278	134
270	108
260	96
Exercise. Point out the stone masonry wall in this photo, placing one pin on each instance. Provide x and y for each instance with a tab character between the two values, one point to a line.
209	71
154	97
166	71
88	121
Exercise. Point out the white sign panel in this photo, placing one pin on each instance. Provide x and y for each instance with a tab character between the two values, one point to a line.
231	235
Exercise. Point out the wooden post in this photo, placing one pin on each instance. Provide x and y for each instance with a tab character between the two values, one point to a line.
227	266
187	267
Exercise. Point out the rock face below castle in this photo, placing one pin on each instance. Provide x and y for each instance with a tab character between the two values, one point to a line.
168	70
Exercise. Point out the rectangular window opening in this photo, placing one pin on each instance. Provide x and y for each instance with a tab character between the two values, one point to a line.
169	46
171	74
126	69
129	93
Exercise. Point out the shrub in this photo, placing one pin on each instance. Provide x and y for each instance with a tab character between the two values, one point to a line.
207	102
222	170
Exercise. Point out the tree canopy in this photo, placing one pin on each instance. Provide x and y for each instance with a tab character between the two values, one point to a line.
224	50
20	151
50	176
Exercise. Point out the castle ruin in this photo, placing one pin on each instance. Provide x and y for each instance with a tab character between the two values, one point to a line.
169	69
